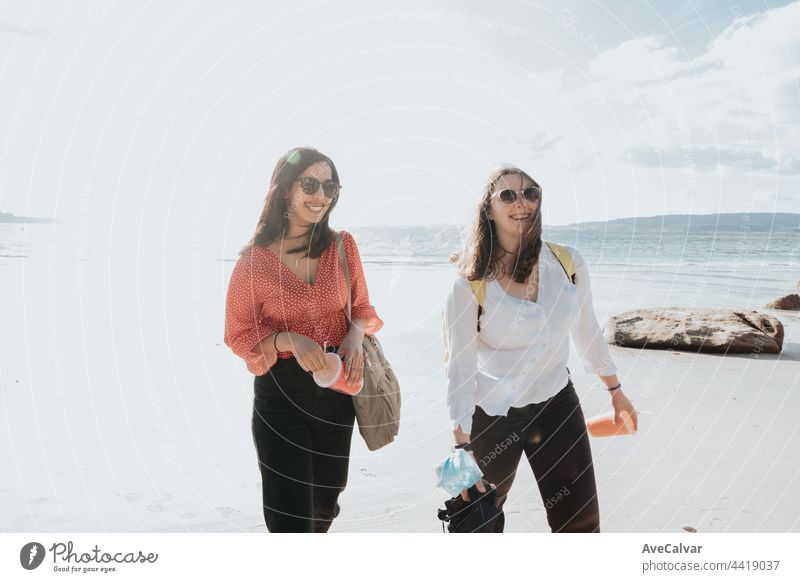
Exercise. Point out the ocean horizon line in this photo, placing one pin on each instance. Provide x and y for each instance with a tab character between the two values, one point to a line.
623	219
10	218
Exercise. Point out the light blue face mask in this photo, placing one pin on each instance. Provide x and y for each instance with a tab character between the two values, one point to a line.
458	471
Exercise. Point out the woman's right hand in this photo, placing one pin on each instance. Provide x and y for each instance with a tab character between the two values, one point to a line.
306	351
462	438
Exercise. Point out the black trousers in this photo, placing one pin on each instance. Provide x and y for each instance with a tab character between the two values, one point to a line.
552	435
302	437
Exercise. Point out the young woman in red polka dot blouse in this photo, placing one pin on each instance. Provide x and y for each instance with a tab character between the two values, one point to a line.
285	306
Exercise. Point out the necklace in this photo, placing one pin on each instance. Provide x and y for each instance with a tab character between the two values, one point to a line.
297	260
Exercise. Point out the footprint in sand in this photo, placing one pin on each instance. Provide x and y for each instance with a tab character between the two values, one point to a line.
159	505
62	519
367	473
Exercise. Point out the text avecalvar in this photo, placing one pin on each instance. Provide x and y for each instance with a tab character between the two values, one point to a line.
671	549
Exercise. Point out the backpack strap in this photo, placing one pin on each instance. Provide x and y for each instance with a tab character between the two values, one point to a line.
479	290
561	253
343	258
563	256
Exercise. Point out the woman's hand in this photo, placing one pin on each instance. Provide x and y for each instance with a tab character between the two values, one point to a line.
307	352
461	437
353	352
620	402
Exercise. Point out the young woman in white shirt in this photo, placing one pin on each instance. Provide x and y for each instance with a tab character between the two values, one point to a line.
509	391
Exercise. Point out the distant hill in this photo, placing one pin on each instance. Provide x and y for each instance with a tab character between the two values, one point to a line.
731	222
6	217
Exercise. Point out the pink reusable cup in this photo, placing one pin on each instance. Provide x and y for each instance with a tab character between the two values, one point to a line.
333	376
603	425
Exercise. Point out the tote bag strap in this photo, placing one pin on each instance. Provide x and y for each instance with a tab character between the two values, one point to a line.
343	258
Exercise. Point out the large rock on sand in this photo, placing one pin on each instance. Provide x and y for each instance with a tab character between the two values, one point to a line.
696	330
791	302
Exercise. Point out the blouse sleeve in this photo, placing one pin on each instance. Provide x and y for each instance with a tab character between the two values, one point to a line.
361	308
588	338
244	323
461	367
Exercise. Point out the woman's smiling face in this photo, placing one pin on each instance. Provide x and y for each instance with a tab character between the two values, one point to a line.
306	209
517	216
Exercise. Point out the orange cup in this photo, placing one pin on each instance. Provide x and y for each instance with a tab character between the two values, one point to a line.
603	425
333	376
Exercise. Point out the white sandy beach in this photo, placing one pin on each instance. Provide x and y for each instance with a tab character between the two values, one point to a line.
121	409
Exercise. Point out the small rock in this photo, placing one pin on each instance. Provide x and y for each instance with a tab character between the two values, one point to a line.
789	302
689	529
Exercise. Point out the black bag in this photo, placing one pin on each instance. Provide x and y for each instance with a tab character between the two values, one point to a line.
479	515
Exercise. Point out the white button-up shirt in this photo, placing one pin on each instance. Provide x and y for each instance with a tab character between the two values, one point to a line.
520	355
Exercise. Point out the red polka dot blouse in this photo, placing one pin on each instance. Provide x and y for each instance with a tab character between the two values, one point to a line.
265	297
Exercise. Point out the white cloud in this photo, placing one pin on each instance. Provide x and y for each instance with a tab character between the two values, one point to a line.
709	158
703	132
638	61
739	90
415	107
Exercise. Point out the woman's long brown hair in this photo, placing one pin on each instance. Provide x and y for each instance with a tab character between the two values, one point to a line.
481	257
274	219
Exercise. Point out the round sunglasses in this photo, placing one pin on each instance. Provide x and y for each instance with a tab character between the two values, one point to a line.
310	186
531	194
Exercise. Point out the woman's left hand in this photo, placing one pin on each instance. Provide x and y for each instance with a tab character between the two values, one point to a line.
620	402
353	353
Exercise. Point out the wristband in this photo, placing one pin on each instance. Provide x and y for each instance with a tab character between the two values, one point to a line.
465	446
614	387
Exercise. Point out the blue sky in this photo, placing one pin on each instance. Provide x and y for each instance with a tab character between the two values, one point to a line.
688	25
170	116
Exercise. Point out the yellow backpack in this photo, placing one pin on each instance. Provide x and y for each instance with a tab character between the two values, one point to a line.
561	253
479	286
